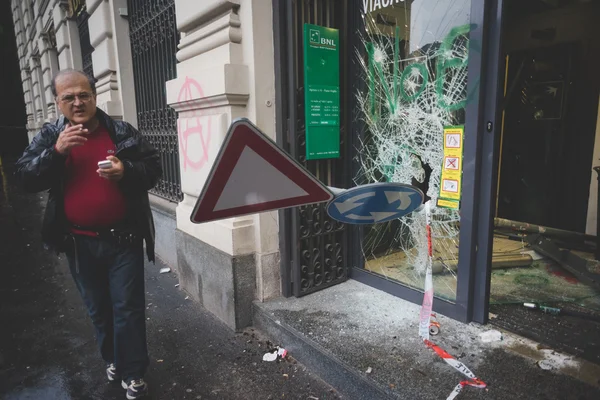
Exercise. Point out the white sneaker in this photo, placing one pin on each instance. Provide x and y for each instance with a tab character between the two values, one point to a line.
111	373
136	389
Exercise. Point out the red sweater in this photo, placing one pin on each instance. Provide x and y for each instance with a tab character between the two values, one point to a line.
92	201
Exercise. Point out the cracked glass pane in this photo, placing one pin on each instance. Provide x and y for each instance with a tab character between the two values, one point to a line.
414	63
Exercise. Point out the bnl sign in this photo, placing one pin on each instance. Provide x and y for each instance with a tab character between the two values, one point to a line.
375	203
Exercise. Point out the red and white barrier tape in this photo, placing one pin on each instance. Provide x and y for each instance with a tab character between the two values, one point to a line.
425	320
460	367
427	307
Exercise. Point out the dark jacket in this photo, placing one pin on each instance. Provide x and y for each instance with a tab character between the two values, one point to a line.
42	168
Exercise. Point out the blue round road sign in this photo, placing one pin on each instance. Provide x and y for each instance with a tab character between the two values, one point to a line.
374	203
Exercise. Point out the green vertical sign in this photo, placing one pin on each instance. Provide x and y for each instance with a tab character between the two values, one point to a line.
322	91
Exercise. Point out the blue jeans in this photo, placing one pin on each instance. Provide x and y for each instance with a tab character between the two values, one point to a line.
110	279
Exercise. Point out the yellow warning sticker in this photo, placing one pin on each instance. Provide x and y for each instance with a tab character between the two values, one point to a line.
448	204
451	179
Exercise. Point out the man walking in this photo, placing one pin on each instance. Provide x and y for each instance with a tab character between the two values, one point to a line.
99	215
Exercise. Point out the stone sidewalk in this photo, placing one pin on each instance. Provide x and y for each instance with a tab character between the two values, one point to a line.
349	329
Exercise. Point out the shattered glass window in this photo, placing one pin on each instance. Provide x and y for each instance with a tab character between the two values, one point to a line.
414	59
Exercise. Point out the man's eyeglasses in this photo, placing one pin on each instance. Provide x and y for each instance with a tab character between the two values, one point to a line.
70	98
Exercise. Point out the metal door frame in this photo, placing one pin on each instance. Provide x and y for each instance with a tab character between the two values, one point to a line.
489	154
280	39
286	71
476	232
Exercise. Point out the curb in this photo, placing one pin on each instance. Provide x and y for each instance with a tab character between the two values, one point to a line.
346	380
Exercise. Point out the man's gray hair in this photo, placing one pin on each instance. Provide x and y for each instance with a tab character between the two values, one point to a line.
91	80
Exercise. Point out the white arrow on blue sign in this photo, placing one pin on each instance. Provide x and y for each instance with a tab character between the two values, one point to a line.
375	203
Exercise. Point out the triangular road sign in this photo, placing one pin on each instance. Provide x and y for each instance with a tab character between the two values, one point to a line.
251	174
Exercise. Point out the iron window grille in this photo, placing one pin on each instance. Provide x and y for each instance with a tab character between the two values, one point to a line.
154	39
84	41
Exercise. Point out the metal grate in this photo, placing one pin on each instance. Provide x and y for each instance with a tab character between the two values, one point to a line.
316	244
84	40
154	39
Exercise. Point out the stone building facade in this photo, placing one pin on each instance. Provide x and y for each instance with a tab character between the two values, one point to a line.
181	71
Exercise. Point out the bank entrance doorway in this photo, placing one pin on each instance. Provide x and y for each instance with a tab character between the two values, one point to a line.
410	75
545	210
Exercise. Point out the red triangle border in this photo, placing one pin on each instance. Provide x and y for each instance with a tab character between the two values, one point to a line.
243	134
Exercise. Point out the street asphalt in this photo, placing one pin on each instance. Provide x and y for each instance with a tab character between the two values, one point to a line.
47	344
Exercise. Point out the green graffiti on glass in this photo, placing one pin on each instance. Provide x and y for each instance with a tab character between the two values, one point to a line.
403	152
388	172
406	74
396	54
386	89
370	53
444	66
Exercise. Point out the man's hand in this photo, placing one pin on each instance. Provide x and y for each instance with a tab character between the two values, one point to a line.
72	136
114	173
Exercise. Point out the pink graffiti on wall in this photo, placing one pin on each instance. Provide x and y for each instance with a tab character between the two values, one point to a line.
193	127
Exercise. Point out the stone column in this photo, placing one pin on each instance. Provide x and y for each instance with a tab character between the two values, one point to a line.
28	95
19	29
215	84
39	20
26	22
109	35
23	65
49	62
122	50
257	21
39	101
68	48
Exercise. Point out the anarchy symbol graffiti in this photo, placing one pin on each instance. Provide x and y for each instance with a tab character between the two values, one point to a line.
192	130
